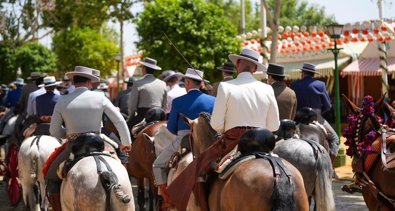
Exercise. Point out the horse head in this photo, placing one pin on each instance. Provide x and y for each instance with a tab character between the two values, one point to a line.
287	129
306	115
257	139
202	134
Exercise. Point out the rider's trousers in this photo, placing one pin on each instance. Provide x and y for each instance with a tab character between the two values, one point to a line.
160	166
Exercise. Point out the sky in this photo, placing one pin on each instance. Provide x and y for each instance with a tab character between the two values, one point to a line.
344	11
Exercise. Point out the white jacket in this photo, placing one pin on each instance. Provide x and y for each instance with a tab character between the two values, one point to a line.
244	101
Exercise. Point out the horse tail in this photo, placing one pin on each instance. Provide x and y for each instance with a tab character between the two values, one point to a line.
323	194
283	197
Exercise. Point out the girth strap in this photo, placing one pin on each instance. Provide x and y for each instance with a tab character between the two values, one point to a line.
276	164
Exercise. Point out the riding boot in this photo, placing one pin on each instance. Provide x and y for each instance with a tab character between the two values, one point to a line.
167	204
54	200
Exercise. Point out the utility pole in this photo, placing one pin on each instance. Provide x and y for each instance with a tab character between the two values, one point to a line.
383	54
243	18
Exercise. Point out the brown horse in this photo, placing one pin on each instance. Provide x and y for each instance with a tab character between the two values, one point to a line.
141	158
252	185
373	150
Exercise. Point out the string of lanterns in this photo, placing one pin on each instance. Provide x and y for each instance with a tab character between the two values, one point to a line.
294	40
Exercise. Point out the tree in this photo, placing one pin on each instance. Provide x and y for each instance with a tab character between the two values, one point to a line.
198	29
34	57
7	67
85	47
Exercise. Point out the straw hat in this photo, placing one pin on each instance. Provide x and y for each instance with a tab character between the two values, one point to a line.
49	81
249	55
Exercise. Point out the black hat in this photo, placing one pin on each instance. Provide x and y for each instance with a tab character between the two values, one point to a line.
131	80
227	67
275	69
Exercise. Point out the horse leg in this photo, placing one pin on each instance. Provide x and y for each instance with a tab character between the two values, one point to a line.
151	196
140	193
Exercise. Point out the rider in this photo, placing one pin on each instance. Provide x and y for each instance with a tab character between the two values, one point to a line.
312	93
121	101
190	105
14	95
45	105
172	80
81	111
241	105
228	69
146	93
285	97
36	79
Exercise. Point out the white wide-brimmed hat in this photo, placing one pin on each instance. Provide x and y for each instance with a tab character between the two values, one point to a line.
194	74
19	81
36	75
166	75
151	63
84	72
49	81
249	55
102	86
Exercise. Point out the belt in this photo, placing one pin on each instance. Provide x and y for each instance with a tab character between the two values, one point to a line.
74	136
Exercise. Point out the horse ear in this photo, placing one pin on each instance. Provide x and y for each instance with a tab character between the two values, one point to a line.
148	138
354	109
186	119
390	109
377	105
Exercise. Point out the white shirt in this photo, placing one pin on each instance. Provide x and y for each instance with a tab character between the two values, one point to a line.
244	101
82	112
172	93
31	102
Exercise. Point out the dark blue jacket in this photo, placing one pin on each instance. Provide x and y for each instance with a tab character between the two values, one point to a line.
46	103
13	97
311	93
191	105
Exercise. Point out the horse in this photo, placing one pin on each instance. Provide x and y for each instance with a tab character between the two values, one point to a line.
141	158
309	128
32	155
96	181
313	162
371	145
252	185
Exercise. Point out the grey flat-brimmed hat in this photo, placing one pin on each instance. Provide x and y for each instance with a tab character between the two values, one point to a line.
194	74
49	81
308	67
102	86
227	67
36	75
171	73
275	69
84	72
249	55
151	63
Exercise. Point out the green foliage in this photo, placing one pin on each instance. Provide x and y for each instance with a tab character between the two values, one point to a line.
85	47
7	67
34	57
198	29
295	12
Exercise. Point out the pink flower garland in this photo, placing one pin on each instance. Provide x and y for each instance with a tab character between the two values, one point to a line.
357	146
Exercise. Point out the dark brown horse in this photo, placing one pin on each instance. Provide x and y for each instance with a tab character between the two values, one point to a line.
373	150
252	185
141	158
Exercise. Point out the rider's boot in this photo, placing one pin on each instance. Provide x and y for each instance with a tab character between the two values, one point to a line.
54	199
167	204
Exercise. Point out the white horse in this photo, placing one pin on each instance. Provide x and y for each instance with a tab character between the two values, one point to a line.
83	189
32	155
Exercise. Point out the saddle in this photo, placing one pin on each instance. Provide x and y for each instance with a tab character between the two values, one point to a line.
185	148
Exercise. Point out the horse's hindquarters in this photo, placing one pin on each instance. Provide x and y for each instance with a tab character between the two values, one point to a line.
82	189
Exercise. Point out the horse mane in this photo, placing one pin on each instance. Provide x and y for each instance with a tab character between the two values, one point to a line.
206	116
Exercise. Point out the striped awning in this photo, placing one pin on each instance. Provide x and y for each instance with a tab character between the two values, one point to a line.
324	67
368	67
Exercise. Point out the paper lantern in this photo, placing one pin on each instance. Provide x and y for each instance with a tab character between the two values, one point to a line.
285	35
365	32
354	39
321	33
384	28
370	39
292	35
381	39
339	42
306	34
388	38
355	31
346	33
375	30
